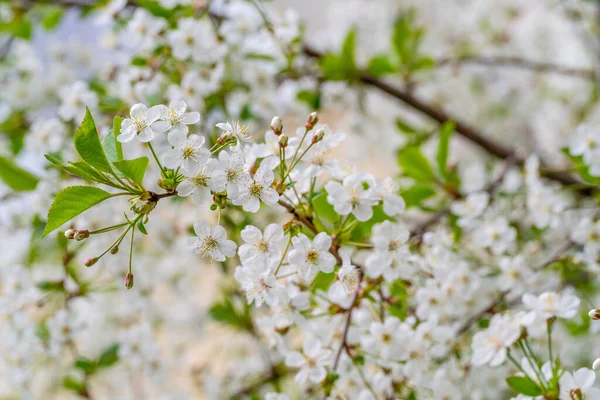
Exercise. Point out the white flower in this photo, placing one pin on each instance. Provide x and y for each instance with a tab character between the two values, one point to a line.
260	285
140	124
74	99
235	171
496	234
258	189
387	339
142	31
393	203
348	279
551	304
199	185
260	250
312	362
211	242
515	273
188	152
177	119
490	346
309	257
195	39
352	197
238	131
586	143
470	208
579	385
269	151
389	240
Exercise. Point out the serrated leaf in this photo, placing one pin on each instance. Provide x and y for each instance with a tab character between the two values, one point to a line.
133	169
87	144
415	165
446	131
523	385
112	147
109	356
70	202
16	177
381	65
80	169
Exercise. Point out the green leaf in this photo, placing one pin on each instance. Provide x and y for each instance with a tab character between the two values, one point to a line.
16	177
87	366
112	147
414	164
523	385
446	131
348	49
71	202
312	98
52	18
20	27
109	356
74	384
133	169
51	286
323	209
415	195
381	65
141	227
87	144
335	68
80	169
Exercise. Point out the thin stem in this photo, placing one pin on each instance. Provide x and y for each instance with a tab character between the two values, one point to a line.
287	246
293	164
535	359
531	363
108	229
549	327
156	158
516	364
356	244
131	250
299	146
219	216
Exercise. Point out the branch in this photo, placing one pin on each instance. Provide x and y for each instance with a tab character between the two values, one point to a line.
520	63
464	129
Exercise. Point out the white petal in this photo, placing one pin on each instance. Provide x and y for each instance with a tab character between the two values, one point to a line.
191	118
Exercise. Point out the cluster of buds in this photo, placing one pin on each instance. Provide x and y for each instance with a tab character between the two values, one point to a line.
77	234
144	203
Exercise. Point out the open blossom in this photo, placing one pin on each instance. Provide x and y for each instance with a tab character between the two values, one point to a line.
235	172
470	208
211	242
188	153
311	362
238	131
551	304
141	123
393	203
586	143
352	197
389	240
579	385
74	99
490	346
257	189
309	257
194	39
346	284
199	185
260	286
387	339
176	118
261	249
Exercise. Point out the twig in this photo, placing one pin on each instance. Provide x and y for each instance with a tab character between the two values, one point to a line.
517	62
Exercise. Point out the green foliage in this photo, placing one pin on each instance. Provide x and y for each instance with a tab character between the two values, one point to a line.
109	356
381	65
341	66
20	27
16	177
415	195
578	327
397	306
87	144
581	168
523	385
415	165
112	147
228	314
71	202
312	98
446	131
133	169
52	18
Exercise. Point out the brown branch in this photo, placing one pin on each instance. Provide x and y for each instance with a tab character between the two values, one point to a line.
519	63
463	128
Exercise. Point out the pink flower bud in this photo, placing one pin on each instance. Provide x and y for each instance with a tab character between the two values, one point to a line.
318	135
91	261
70	233
313	118
82	234
594	314
276	125
129	281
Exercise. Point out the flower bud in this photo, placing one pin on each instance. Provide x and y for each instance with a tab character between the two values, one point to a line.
594	314
82	234
313	118
318	135
91	261
129	280
283	141
114	250
70	233
276	125
596	364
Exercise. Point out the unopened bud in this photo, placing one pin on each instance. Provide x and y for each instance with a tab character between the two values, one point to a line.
70	233
318	135
91	261
129	280
313	118
594	314
283	141
82	234
225	136
114	250
276	125
596	364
